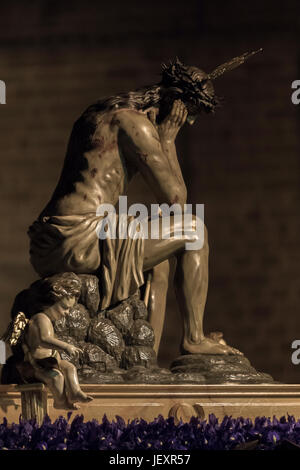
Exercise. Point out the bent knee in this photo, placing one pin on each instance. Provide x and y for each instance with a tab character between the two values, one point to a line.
160	272
66	365
196	233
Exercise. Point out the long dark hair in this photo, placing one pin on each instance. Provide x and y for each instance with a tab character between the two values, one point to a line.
139	99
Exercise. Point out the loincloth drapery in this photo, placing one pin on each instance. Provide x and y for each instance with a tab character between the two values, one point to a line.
50	362
70	244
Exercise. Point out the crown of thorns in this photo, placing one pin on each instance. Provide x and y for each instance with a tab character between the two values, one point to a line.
186	80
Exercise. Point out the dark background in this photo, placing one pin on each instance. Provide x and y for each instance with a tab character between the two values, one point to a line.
57	57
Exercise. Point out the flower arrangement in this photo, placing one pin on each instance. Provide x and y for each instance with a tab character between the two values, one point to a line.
158	435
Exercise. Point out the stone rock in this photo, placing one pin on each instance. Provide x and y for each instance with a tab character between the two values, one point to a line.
60	327
64	356
141	334
139	308
78	321
190	378
104	334
97	359
122	317
88	375
74	324
120	336
138	356
90	296
217	369
139	374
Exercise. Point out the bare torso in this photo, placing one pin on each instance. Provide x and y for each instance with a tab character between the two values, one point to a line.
33	335
100	173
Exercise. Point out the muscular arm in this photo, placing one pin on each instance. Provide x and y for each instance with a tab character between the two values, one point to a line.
168	130
140	142
169	150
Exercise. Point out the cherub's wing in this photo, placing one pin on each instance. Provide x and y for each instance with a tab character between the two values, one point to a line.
15	329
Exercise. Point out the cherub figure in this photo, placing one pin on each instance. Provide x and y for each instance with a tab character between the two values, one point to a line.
53	298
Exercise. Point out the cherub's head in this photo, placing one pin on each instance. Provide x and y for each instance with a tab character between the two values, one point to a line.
60	292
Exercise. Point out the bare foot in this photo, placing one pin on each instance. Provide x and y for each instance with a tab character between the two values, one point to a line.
64	405
81	397
209	346
218	336
72	406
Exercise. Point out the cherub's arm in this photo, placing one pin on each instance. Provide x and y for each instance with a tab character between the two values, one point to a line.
141	142
47	338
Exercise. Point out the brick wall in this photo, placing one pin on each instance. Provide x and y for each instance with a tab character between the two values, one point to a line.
243	163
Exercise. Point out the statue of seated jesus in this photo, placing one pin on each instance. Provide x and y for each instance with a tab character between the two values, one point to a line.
113	140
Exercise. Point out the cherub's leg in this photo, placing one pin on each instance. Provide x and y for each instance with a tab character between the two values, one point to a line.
157	299
73	390
54	380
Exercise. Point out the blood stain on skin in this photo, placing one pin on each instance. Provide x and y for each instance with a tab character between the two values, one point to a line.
99	142
109	147
94	171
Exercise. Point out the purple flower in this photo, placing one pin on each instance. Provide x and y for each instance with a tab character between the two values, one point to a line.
160	434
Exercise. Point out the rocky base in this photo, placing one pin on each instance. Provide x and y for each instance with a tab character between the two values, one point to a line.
117	343
135	375
217	369
117	347
189	369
